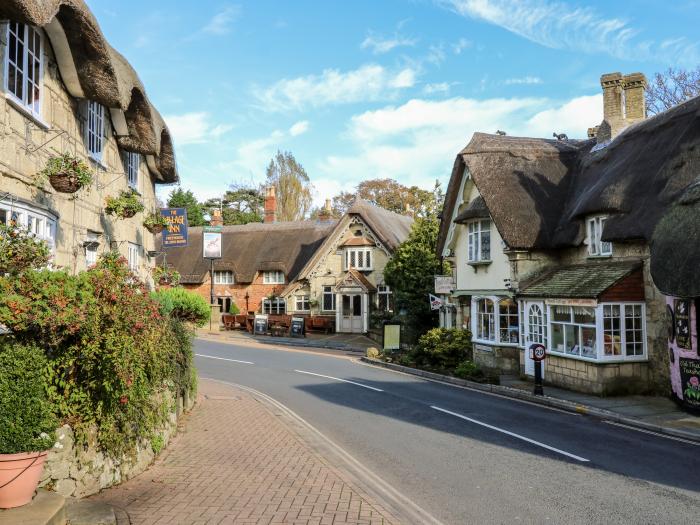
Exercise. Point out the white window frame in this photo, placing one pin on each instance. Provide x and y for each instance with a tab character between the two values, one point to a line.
594	232
132	163
384	290
91	248
33	86
495	325
276	304
223	277
134	256
301	303
328	292
479	237
359	259
273	277
95	130
43	224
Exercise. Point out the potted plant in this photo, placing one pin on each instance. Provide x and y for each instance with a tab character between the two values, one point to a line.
166	276
66	173
20	250
125	206
155	222
27	423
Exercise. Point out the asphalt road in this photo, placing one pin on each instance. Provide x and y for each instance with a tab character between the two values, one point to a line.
471	457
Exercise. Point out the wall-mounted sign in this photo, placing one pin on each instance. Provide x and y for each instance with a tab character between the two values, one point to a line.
392	336
444	284
211	240
681	313
260	325
690	381
572	302
175	235
297	327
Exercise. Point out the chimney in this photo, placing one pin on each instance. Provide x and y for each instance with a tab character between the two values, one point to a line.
216	218
326	213
623	103
634	85
270	205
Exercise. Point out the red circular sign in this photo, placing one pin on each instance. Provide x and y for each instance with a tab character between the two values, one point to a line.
537	352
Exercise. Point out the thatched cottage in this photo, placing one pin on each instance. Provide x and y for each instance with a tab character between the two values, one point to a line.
550	243
68	91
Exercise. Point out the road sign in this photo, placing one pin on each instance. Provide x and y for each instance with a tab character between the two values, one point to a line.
537	352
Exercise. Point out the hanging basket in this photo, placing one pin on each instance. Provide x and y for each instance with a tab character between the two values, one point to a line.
155	228
127	213
64	182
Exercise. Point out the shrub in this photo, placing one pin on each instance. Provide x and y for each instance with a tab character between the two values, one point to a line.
469	370
27	423
183	305
20	250
373	353
233	309
443	348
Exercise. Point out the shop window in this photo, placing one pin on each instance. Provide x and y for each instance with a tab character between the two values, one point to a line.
328	299
573	330
485	320
495	320
508	321
24	67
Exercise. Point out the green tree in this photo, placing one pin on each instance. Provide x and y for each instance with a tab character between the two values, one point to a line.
239	205
293	188
410	273
180	198
393	196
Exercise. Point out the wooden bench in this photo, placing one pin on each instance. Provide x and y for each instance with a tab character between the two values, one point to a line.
320	324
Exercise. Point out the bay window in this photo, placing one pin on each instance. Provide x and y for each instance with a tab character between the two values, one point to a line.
39	223
508	321
495	320
573	330
484	320
274	305
479	241
24	67
328	299
358	258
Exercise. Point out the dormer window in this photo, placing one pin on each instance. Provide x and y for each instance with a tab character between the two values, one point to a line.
597	247
358	259
223	277
23	66
95	130
479	241
273	277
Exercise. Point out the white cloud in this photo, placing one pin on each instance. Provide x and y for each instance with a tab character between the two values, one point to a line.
523	80
380	45
367	83
220	23
559	25
195	128
299	128
438	87
460	46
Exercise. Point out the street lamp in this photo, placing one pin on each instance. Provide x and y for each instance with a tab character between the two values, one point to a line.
246	302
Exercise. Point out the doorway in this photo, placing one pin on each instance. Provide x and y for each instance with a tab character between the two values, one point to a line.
351	313
535	332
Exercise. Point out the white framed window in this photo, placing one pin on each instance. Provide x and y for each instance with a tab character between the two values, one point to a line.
597	247
92	244
536	325
24	66
223	277
358	258
479	241
623	330
385	301
485	326
301	303
495	320
134	256
508	331
328	299
573	330
132	162
41	224
95	129
276	305
273	277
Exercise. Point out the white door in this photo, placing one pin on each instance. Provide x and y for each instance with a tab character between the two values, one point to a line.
535	332
351	318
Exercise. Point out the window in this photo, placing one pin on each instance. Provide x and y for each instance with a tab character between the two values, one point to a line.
596	247
495	320
623	330
508	321
223	277
133	257
23	66
485	320
384	299
276	305
573	330
95	129
536	325
224	303
132	162
302	303
328	299
273	277
41	224
92	243
479	241
358	258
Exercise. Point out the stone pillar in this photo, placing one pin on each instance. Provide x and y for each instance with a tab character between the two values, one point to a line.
613	108
634	85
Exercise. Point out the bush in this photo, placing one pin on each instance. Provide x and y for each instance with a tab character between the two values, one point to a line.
27	423
442	348
469	370
183	305
373	353
20	251
233	309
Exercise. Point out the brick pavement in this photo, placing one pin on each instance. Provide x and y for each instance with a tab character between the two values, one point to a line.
236	461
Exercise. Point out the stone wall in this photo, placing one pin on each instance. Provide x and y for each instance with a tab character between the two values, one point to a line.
79	470
498	359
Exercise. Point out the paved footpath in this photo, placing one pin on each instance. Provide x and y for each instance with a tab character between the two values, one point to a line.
236	461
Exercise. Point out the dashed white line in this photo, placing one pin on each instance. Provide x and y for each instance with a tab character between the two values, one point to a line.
512	434
225	359
341	380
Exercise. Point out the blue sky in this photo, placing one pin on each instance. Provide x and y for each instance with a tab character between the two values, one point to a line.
380	88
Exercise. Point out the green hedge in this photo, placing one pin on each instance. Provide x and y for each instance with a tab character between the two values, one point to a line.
183	304
443	348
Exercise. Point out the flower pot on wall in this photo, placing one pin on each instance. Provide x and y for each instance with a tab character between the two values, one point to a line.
19	477
64	183
155	228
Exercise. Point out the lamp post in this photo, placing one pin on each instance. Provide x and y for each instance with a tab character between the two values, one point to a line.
246	302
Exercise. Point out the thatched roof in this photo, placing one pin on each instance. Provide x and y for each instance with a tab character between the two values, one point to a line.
675	246
475	210
538	191
391	228
250	248
92	69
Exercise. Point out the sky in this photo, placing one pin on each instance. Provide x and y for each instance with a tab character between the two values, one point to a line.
380	88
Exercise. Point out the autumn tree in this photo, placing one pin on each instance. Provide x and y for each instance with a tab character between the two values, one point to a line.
293	187
180	198
393	196
671	88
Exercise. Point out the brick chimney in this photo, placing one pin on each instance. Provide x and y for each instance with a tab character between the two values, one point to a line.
623	103
216	218
634	85
270	205
326	213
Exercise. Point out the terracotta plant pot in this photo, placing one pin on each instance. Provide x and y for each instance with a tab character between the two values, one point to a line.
64	183
155	228
19	477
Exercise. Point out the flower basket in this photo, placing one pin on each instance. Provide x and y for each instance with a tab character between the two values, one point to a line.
154	228
64	183
125	206
155	222
66	173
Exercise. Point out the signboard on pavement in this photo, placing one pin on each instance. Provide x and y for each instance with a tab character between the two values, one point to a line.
260	325
297	327
175	235
444	284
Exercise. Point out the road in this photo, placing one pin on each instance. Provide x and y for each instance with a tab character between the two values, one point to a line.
471	457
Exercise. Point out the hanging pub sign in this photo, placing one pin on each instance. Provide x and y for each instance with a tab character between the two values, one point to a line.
444	284
297	327
260	325
681	314
211	239
175	235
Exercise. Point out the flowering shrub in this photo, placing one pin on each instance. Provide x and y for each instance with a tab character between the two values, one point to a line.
20	250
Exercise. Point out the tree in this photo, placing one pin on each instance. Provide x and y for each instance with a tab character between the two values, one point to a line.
410	273
239	205
180	198
671	88
293	188
393	196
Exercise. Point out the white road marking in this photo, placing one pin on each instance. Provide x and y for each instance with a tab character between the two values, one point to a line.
225	359
513	434
645	431
341	380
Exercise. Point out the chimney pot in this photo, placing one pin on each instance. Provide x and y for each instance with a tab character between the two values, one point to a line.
270	205
326	212
216	218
